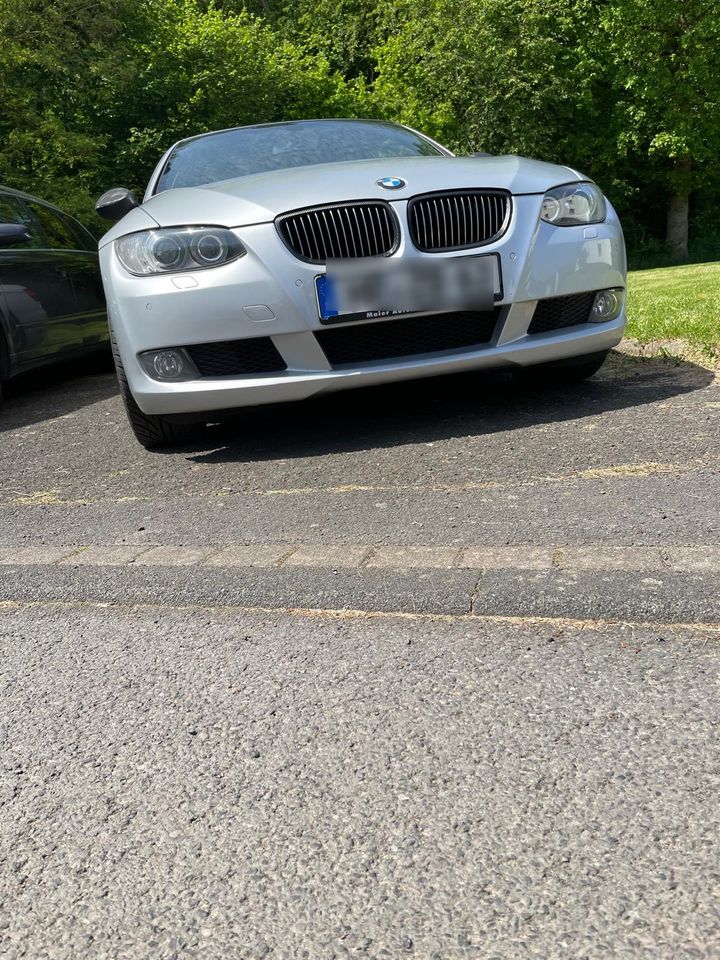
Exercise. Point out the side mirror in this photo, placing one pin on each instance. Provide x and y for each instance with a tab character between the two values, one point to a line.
480	153
115	203
13	233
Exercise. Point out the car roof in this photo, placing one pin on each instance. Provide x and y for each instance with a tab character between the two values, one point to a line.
10	191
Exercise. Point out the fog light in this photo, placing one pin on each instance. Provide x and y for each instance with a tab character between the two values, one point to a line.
608	305
168	365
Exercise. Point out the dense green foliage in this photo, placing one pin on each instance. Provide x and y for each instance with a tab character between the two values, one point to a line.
94	91
626	90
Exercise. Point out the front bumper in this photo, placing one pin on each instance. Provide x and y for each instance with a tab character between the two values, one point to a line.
270	293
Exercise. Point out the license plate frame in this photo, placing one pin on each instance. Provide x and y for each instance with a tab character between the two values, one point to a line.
327	318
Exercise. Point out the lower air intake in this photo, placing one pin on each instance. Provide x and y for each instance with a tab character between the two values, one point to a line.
555	313
407	337
230	358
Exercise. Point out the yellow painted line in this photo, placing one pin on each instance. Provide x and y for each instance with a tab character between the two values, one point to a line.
322	613
39	498
593	473
52	497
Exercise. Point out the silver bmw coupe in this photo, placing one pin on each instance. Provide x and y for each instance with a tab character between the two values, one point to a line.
274	262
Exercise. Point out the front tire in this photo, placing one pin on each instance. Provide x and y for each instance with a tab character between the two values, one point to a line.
151	431
560	373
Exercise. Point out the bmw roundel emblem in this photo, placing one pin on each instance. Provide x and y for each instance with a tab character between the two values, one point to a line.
391	183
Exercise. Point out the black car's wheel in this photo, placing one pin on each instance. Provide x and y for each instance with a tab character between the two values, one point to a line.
151	431
558	373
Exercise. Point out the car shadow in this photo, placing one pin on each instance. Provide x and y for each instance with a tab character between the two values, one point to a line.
52	392
423	411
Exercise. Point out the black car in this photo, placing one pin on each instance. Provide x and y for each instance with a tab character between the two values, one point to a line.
52	305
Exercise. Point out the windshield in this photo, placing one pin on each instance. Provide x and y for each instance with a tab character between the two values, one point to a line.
279	146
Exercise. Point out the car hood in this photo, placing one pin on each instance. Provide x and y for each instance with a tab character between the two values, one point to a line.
261	197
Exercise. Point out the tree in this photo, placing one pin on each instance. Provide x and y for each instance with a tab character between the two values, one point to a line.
95	90
208	69
504	76
665	59
344	32
628	91
64	66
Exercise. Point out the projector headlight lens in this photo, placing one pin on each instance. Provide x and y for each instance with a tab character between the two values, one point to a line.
208	249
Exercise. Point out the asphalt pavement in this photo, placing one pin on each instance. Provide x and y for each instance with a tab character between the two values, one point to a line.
427	671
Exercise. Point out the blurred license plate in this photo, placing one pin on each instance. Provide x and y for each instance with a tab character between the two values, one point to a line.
375	288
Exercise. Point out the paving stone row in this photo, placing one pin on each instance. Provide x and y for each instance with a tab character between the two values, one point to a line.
698	559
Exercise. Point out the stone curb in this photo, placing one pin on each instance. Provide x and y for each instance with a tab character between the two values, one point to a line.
520	557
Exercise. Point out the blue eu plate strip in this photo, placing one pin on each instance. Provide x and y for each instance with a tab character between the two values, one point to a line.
326	297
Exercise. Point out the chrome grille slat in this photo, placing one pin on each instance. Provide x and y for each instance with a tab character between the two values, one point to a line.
375	243
356	232
366	232
325	233
424	226
305	235
338	222
316	242
471	206
341	245
457	219
388	227
378	229
362	228
343	228
442	231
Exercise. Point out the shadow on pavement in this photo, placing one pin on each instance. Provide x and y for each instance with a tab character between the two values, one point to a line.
440	408
56	391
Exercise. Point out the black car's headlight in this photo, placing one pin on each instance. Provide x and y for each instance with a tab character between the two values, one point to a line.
573	204
169	250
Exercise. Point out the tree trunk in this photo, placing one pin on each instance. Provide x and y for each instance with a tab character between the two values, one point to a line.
676	234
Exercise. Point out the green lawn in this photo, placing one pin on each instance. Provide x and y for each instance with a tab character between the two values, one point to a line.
676	303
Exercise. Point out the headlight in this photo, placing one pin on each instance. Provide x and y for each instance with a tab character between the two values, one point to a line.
177	248
572	204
